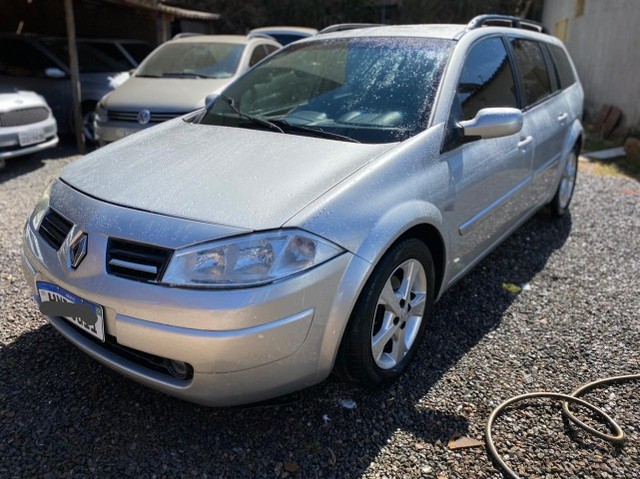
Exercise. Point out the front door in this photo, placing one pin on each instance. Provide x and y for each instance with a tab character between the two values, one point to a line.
490	176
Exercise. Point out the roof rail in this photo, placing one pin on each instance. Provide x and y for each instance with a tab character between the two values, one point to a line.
340	27
187	34
501	20
260	35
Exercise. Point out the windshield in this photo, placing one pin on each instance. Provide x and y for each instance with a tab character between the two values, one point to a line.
372	90
196	60
91	57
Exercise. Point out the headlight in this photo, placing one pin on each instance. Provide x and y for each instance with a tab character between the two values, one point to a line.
248	260
41	208
101	113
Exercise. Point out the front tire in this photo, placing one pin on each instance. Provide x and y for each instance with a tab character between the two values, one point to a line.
88	117
560	203
390	317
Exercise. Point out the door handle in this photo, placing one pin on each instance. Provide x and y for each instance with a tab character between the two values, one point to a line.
562	118
524	142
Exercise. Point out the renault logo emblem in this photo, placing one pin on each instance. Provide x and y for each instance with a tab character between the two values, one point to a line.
78	249
144	116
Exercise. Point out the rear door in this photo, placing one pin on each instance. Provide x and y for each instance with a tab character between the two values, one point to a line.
490	176
546	114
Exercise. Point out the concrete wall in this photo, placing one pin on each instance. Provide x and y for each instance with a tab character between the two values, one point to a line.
604	43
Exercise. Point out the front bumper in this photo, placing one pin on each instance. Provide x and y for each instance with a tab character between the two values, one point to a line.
244	345
110	131
10	143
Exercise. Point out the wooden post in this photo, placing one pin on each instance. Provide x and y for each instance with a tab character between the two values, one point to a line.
75	75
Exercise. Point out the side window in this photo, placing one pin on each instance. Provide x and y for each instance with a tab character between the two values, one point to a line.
563	66
533	69
20	59
271	49
486	80
258	54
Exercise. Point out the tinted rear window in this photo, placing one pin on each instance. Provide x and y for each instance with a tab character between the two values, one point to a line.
533	69
563	66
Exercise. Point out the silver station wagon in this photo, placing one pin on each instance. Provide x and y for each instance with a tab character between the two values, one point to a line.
309	217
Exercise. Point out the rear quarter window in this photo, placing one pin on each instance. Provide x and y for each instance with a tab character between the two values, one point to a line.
533	69
563	66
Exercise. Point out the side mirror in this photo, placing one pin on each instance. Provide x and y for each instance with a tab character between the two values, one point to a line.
493	123
132	71
210	99
54	73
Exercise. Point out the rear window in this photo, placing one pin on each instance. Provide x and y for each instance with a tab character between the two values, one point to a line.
563	66
533	69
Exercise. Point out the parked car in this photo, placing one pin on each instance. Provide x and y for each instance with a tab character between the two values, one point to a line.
176	79
310	217
41	64
26	124
284	35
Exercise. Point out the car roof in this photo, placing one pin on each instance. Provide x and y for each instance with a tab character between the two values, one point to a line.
438	31
443	31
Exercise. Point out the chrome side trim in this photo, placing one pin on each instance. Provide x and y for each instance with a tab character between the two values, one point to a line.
483	214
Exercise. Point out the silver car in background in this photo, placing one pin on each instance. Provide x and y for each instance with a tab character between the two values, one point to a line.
176	79
26	124
310	217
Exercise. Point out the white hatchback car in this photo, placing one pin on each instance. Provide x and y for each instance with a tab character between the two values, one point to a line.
309	217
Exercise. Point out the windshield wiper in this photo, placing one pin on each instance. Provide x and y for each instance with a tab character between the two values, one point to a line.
183	75
147	76
256	119
314	131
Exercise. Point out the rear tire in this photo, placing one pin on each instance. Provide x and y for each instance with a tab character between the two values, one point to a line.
559	205
390	317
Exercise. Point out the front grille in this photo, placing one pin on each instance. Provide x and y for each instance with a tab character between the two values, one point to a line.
136	261
156	117
54	228
25	116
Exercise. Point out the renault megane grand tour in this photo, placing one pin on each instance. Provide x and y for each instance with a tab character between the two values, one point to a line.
307	219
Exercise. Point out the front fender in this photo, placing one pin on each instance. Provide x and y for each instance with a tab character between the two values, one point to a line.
395	223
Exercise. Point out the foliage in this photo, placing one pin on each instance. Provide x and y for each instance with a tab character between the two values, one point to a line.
239	16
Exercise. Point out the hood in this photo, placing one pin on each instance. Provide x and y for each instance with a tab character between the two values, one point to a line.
18	99
227	176
163	94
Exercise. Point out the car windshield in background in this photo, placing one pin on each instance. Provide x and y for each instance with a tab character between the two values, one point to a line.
192	60
90	59
366	89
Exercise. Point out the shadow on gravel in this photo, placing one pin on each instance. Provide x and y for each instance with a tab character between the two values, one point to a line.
22	165
62	413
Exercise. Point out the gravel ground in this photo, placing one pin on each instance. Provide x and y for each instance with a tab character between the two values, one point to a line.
62	414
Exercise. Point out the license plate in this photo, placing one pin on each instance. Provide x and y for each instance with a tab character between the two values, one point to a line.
51	292
30	137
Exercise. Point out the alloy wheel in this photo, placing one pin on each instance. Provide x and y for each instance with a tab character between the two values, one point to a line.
398	314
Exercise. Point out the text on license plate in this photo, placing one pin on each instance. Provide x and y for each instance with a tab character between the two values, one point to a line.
52	292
